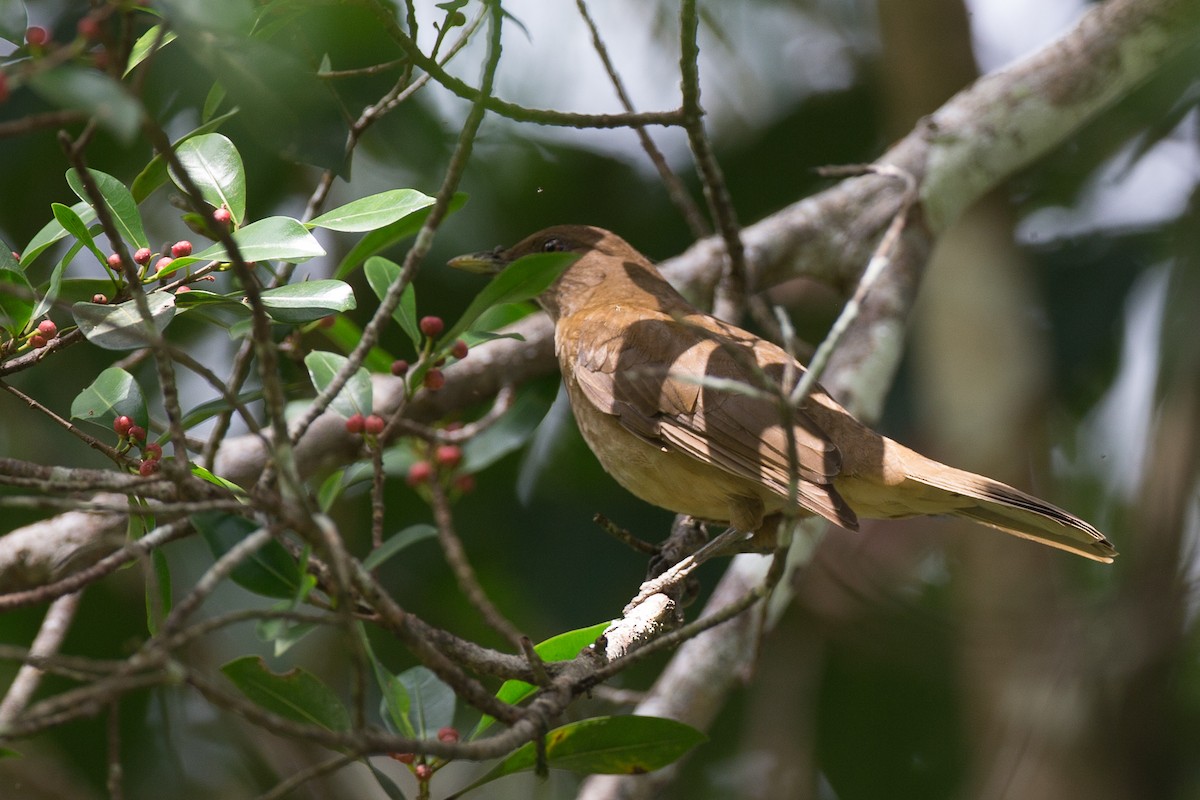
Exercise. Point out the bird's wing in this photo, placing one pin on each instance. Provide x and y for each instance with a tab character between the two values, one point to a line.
675	384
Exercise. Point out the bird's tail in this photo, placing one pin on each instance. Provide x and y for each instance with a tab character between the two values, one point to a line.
1002	507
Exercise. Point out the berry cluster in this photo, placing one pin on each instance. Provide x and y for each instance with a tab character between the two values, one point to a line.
130	434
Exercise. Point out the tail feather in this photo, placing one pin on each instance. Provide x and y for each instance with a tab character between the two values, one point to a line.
1002	507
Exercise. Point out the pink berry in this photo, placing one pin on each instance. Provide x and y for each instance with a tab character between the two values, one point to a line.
448	735
419	473
434	380
374	425
89	28
152	451
37	35
356	423
423	772
431	326
448	455
122	425
37	341
148	467
181	248
47	328
222	216
15	254
114	261
163	263
99	299
183	290
142	256
404	758
460	350
137	433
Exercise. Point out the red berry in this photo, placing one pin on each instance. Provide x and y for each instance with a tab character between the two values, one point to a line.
152	451
423	772
99	299
47	328
419	473
163	263
142	256
138	433
326	322
222	216
459	350
181	248
183	289
449	455
400	368
148	467
404	758
465	483
114	261
448	735
431	326
374	425
37	35
89	28
434	380
37	340
356	423
122	425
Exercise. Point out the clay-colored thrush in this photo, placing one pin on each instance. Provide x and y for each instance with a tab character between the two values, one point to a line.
648	378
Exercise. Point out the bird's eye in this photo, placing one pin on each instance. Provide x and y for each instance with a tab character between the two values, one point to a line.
553	245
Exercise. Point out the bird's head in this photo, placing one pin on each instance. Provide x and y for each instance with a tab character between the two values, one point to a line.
604	258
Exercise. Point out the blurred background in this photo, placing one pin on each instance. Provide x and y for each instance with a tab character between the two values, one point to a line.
1055	345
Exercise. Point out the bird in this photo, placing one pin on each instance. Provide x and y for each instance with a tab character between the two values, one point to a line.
682	409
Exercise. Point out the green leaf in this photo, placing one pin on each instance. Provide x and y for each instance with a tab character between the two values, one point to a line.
355	396
113	394
216	480
223	309
431	702
54	285
7	259
297	695
154	174
563	647
627	745
409	536
218	405
388	786
281	238
388	235
121	205
508	434
381	274
214	165
73	224
525	278
345	335
93	92
121	327
145	45
271	571
373	212
158	611
307	301
53	230
16	301
13	22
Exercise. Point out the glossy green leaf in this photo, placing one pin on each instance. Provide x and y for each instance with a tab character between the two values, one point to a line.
400	541
113	394
121	327
355	396
381	274
273	238
53	231
345	335
121	205
146	44
218	405
74	224
388	235
13	22
154	174
7	259
297	694
305	302
524	279
223	309
215	166
270	571
563	647
431	702
386	784
216	480
54	285
158	592
509	433
93	92
627	745
373	212
17	301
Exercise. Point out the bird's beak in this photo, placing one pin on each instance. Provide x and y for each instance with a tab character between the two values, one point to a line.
486	263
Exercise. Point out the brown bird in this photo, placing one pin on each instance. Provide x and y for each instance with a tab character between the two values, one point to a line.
649	380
